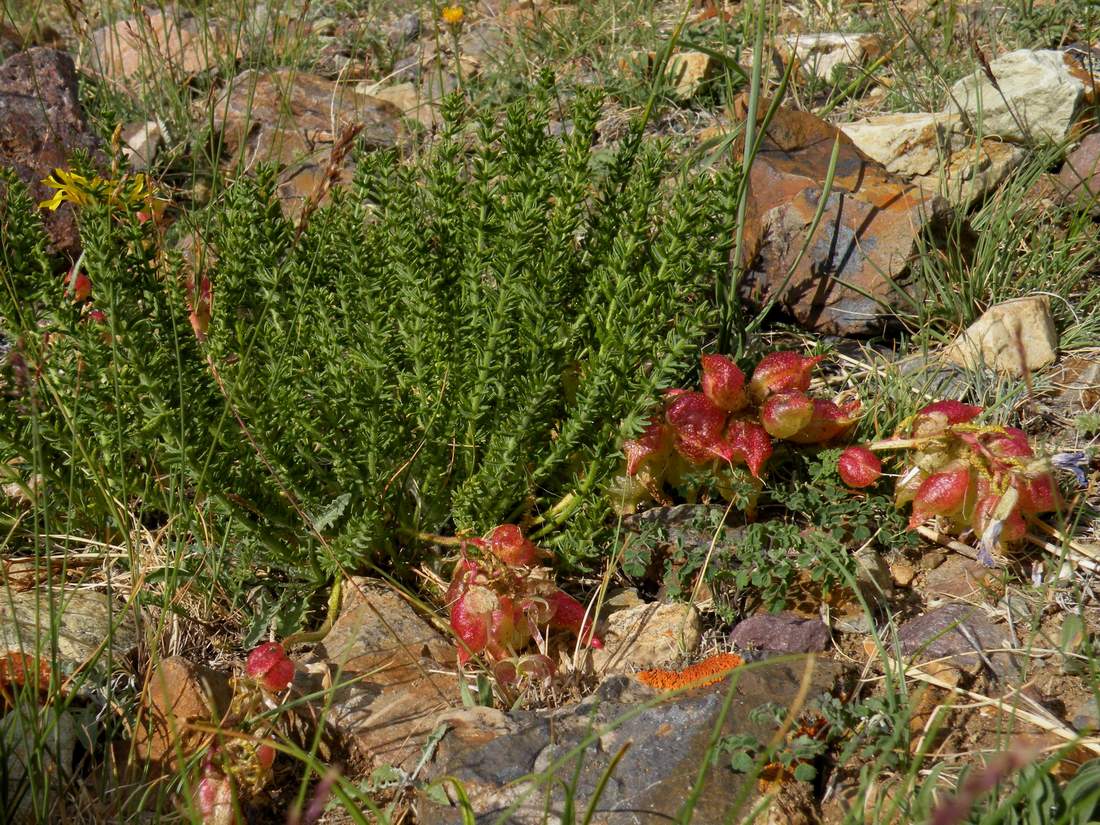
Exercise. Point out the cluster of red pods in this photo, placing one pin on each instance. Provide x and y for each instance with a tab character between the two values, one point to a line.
732	421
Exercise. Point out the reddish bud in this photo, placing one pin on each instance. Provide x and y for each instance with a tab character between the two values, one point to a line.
1038	494
201	305
97	316
471	618
941	494
1013	443
859	467
568	614
829	421
268	664
79	286
781	371
955	412
652	445
785	413
698	425
751	444
508	544
724	383
265	756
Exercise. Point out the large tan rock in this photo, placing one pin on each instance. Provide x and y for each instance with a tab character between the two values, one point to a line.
973	172
1015	337
907	144
1036	96
158	42
647	636
820	54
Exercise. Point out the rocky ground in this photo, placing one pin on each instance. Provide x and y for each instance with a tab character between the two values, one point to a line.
880	157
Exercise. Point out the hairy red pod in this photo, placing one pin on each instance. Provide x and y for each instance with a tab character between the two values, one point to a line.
956	412
1013	443
653	445
859	467
941	494
471	619
1013	529
724	383
1038	494
268	664
508	544
785	413
698	425
829	421
781	371
751	444
568	614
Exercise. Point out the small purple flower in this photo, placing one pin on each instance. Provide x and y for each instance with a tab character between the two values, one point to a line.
1076	463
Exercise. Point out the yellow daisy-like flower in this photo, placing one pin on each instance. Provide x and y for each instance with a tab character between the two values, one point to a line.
76	189
452	15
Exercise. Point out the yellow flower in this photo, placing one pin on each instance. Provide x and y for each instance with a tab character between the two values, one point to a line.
452	15
82	191
76	189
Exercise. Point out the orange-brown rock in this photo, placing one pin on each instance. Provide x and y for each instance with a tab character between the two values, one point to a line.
857	259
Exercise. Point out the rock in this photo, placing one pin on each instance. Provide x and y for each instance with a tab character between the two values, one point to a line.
907	144
141	142
1077	379
903	573
950	633
178	693
689	71
39	741
382	661
858	256
647	636
407	69
158	42
973	172
1015	337
41	125
958	577
780	633
1086	716
820	54
92	631
1079	179
873	575
10	41
408	98
405	30
1035	99
293	119
668	743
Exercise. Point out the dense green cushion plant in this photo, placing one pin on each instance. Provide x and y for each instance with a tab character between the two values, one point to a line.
457	340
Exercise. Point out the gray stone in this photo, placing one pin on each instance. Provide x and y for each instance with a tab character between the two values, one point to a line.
404	31
91	628
668	742
37	744
959	633
1079	179
780	633
1086	716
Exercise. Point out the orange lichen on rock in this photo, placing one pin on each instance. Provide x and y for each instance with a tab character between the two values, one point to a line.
707	672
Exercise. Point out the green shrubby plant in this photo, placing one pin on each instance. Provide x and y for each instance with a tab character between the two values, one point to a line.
453	343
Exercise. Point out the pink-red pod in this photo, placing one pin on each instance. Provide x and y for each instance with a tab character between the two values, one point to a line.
653	444
1013	443
941	494
780	371
471	619
698	425
750	443
268	664
80	287
507	630
859	467
905	488
1038	494
724	383
829	421
785	413
508	544
956	412
568	614
1013	528
265	756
